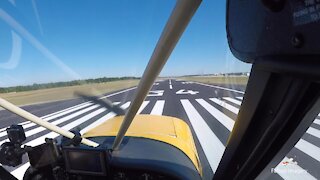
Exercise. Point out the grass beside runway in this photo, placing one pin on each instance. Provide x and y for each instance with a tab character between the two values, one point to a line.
223	80
63	93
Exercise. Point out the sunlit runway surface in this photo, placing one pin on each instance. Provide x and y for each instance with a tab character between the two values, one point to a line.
210	110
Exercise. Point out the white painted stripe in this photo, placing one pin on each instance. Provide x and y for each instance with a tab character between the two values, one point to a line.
240	97
118	92
30	124
158	108
109	116
19	172
314	132
292	171
24	123
218	87
284	173
56	122
59	121
98	122
103	119
143	105
309	149
222	118
69	126
232	100
170	86
317	121
63	110
5	128
67	112
213	150
225	105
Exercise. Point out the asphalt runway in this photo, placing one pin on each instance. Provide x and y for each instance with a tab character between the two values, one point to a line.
210	111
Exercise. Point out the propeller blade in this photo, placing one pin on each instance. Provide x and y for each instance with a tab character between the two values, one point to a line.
103	102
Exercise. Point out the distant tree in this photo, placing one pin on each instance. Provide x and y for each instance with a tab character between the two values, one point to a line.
37	86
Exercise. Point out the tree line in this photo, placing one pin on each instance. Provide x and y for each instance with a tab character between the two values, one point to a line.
36	86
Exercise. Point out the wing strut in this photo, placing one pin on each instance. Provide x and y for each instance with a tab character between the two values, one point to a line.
20	112
177	23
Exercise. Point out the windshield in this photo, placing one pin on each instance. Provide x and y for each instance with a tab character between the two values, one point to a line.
52	50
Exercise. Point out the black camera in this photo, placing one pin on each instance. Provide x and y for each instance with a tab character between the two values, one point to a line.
16	134
11	152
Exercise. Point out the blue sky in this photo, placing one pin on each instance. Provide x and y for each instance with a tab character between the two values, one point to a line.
48	41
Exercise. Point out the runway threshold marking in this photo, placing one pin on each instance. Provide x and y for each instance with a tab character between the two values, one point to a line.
225	105
31	124
306	175
143	105
28	124
75	106
158	108
103	119
308	148
213	150
56	122
222	118
313	131
232	100
218	87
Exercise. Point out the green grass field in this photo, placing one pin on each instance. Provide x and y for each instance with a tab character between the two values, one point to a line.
235	80
62	93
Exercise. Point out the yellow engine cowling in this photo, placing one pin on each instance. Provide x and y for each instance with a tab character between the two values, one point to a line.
166	129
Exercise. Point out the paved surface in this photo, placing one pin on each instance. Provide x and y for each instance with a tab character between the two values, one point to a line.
209	110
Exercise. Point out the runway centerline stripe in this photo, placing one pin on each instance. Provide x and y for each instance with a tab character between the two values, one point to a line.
158	108
233	100
219	87
225	105
213	150
222	118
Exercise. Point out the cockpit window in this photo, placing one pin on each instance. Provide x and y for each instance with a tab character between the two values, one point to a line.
52	50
